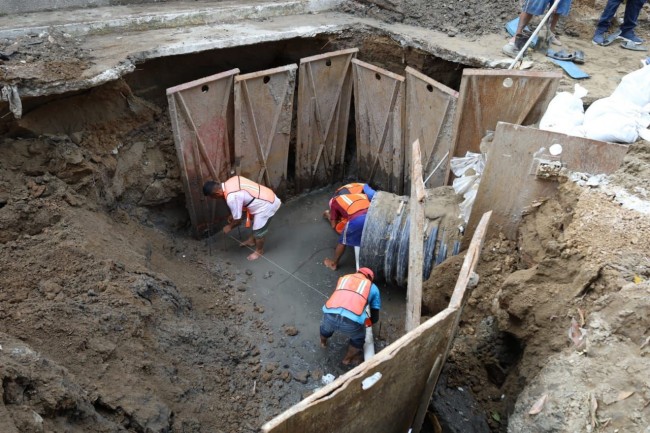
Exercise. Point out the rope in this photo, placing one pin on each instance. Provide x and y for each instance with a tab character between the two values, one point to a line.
291	274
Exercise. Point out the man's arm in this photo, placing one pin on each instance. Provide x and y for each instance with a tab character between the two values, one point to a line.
374	315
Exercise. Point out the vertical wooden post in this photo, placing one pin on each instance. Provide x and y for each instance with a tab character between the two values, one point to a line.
416	241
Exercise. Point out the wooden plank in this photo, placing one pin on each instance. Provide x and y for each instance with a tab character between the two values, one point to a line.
324	94
459	295
416	241
379	110
201	113
390	405
509	184
430	108
426	396
489	96
263	112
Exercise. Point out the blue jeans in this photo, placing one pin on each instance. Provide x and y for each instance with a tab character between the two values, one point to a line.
632	10
336	322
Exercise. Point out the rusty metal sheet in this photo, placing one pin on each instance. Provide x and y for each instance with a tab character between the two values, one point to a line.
263	112
379	111
430	108
509	184
491	96
201	113
324	94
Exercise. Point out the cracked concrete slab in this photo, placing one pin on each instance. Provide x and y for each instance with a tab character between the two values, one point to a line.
112	41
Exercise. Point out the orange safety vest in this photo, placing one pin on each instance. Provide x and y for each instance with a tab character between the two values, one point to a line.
353	188
257	191
353	203
351	293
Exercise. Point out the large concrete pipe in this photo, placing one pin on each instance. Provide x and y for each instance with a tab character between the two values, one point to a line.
385	238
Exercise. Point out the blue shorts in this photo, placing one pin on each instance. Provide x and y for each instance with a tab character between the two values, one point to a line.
539	7
351	234
336	322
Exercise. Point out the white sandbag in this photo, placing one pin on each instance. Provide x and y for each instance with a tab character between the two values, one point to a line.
635	87
462	184
466	205
616	120
471	160
565	112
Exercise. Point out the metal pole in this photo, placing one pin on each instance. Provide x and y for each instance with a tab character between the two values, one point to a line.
537	30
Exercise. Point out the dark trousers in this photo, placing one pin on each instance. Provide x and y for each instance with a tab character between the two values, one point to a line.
632	10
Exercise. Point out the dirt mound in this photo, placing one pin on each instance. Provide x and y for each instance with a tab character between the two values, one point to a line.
469	18
110	323
579	260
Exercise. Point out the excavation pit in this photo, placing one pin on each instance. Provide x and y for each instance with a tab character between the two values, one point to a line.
171	333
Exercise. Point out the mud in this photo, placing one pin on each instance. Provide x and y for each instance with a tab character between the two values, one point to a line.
114	319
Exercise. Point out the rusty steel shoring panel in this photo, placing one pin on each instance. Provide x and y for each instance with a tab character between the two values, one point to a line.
324	96
407	374
491	96
430	108
510	175
379	111
263	112
201	113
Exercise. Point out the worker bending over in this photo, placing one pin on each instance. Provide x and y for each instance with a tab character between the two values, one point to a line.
351	208
345	311
350	188
246	199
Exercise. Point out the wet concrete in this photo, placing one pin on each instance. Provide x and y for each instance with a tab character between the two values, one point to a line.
291	284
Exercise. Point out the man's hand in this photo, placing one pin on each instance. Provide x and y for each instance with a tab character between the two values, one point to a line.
227	228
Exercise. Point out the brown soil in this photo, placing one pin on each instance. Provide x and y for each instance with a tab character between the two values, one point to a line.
580	256
113	319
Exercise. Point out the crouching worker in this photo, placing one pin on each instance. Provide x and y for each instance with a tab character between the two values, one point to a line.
345	312
351	208
350	188
246	199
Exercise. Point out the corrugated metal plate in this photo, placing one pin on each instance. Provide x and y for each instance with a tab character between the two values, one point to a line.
379	110
263	112
324	96
201	113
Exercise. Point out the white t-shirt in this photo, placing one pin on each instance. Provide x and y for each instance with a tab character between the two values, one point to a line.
261	209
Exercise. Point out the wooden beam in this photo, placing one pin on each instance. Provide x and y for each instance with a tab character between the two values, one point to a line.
416	241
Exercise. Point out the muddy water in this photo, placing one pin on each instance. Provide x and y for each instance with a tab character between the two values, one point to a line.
291	285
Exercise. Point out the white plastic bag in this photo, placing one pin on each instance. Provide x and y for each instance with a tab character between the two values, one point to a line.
616	120
635	87
565	112
471	160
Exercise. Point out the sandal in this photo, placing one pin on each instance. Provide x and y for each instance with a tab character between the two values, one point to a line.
629	45
560	55
579	57
611	38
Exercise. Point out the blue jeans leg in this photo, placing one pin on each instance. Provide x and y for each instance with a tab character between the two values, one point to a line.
607	15
632	10
335	322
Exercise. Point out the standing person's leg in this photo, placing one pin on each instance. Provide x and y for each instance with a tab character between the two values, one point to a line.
258	236
605	21
563	9
632	10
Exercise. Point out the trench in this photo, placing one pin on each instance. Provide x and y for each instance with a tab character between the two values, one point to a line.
289	287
